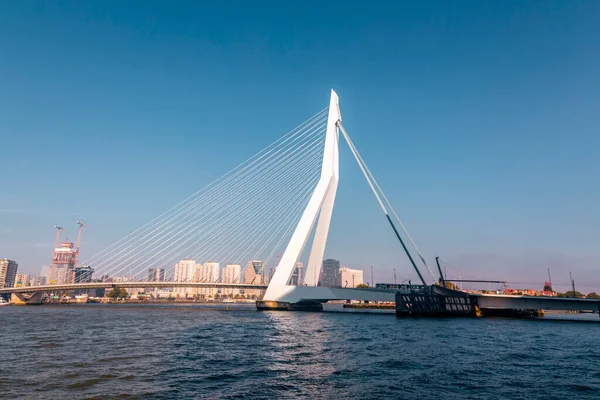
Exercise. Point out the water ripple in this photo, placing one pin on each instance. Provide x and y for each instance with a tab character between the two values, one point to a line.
175	352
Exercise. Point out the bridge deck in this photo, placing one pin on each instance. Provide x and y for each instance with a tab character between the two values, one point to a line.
534	302
108	285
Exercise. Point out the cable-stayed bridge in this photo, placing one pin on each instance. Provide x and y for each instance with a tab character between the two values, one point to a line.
279	201
272	203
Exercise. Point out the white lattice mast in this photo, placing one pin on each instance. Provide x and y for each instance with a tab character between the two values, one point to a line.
320	205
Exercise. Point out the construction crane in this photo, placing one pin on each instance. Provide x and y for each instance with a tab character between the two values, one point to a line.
81	225
58	229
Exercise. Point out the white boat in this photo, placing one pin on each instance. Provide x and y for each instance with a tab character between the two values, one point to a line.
3	302
82	298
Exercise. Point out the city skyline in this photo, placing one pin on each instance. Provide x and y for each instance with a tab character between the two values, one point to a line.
190	270
487	157
455	273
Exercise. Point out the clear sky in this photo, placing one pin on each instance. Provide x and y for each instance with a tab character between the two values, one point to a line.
479	119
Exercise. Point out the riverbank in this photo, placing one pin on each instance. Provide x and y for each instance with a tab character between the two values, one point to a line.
145	301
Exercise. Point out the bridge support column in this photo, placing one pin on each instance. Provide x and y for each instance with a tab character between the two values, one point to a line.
266	305
23	299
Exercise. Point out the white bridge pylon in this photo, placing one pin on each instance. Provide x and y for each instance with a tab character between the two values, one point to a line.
320	205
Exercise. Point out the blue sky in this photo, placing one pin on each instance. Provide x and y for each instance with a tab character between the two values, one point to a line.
479	119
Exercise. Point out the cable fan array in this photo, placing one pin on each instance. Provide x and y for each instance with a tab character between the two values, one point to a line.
247	214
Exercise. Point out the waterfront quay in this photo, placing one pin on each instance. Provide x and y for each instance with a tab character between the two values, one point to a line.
438	301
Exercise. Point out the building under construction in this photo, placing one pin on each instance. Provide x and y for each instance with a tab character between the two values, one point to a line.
64	261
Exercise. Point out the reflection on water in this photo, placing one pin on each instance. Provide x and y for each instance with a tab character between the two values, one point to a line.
190	351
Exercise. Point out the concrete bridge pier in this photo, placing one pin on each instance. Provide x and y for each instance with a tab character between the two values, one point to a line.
266	305
23	299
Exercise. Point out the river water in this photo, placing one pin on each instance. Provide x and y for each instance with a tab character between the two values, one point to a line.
192	351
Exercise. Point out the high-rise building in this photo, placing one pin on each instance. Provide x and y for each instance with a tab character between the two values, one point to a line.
185	271
8	273
156	275
351	277
298	275
22	280
45	274
271	273
208	273
297	278
232	273
39	281
63	263
330	273
83	274
254	274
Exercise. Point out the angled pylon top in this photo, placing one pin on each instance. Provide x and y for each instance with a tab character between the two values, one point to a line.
334	102
320	205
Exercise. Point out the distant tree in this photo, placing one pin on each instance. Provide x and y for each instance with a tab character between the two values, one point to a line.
362	286
570	294
593	295
118	293
547	288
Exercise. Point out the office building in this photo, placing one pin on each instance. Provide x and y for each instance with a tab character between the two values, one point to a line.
8	273
254	274
298	275
22	280
83	274
45	274
185	271
208	272
350	278
232	273
156	275
330	273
